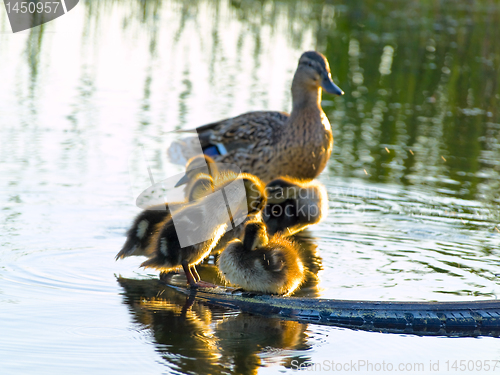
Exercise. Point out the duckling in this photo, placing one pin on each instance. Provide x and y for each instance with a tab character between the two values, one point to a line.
197	166
142	230
293	205
149	221
192	231
255	194
262	264
270	144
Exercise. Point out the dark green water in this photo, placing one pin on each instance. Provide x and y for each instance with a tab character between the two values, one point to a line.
413	181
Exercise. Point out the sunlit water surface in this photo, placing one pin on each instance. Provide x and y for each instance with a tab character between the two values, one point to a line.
413	182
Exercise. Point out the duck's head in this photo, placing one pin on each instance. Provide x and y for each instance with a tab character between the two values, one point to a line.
313	72
255	235
196	165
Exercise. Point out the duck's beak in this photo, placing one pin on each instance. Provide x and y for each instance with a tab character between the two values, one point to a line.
330	87
182	181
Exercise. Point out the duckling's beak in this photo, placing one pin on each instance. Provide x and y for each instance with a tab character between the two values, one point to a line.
330	87
182	181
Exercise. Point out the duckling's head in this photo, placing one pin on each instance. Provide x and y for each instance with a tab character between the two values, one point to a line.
201	186
293	205
313	72
196	165
255	193
245	193
255	235
281	189
284	188
201	161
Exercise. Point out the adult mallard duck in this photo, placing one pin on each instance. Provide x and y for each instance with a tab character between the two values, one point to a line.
193	230
149	221
271	144
293	205
261	264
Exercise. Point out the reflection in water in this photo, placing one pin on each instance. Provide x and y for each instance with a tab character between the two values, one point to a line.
312	261
250	341
181	332
201	339
427	114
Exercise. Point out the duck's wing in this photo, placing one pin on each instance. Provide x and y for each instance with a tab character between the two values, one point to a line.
241	131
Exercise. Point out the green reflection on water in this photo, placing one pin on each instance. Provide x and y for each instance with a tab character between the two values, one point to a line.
422	81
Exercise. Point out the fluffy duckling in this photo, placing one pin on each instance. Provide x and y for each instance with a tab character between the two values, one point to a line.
270	144
293	205
192	231
198	165
257	263
142	230
149	221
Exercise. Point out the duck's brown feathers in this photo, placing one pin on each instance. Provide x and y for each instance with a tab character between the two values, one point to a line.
269	144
